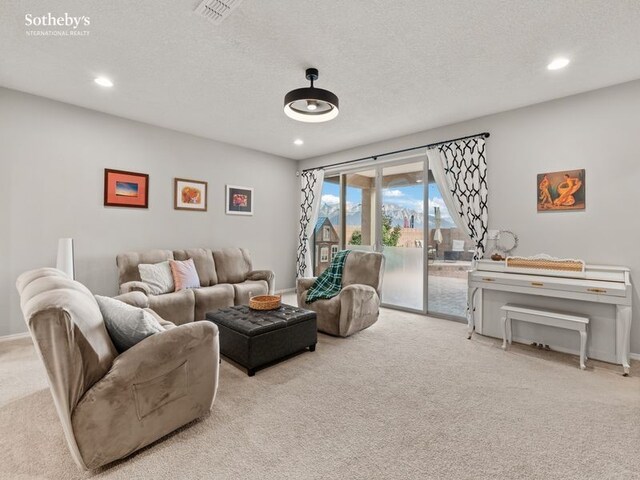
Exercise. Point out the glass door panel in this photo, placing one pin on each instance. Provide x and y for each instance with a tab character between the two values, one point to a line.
326	237
402	235
449	252
360	210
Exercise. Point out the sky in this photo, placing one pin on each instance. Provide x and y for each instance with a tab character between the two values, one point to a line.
408	197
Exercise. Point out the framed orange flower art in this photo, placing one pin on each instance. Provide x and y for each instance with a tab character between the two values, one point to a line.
190	195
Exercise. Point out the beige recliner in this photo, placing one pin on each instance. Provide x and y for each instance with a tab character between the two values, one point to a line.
111	405
357	306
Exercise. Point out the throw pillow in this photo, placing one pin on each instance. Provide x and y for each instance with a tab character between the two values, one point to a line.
185	274
127	325
158	276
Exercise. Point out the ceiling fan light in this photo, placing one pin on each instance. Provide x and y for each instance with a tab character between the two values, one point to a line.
310	104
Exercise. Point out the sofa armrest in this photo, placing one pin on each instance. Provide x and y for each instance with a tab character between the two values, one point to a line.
266	275
355	297
142	360
166	324
158	385
135	298
359	308
135	287
304	284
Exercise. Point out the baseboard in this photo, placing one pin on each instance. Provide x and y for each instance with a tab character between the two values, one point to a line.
286	290
15	336
635	356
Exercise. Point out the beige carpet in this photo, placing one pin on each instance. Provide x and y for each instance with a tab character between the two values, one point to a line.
409	398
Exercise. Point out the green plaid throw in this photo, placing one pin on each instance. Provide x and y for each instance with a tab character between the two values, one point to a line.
329	283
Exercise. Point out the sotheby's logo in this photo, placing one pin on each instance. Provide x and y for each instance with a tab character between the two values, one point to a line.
64	25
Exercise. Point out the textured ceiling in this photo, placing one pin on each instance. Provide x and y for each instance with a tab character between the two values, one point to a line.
398	66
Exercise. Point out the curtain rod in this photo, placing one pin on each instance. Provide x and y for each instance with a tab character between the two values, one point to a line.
375	157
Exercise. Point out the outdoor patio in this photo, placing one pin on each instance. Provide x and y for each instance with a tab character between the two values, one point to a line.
447	289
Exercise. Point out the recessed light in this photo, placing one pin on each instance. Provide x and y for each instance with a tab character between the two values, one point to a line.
298	141
558	63
103	82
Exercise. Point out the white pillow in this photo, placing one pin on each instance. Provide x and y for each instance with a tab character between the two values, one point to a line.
158	276
127	325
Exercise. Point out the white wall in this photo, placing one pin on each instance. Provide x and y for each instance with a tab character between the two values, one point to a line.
52	159
598	131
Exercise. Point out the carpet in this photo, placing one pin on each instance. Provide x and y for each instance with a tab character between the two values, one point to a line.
408	398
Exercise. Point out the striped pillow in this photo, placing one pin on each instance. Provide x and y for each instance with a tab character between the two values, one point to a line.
184	274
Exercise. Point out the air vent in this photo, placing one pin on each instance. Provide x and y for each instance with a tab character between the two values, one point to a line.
217	10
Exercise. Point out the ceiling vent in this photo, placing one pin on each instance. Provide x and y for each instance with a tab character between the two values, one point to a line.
217	10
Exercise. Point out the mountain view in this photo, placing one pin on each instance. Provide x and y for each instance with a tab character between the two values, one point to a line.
397	212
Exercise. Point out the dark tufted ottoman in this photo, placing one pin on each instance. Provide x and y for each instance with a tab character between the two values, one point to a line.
255	338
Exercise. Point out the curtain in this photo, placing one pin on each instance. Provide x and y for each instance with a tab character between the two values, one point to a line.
460	170
311	189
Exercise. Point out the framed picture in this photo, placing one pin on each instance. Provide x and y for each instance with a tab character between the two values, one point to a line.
239	200
126	189
561	191
189	195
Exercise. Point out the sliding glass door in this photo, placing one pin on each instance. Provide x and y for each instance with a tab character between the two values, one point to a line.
396	208
360	210
402	235
450	252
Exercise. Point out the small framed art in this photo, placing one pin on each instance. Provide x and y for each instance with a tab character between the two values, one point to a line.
239	200
126	189
189	195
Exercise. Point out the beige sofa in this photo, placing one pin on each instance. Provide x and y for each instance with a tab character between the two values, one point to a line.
357	306
111	405
226	278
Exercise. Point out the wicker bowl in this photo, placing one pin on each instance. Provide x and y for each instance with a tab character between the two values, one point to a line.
264	302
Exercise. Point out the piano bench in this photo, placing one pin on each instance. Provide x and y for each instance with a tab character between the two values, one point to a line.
570	321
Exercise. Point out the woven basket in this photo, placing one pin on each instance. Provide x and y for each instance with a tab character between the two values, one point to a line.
264	302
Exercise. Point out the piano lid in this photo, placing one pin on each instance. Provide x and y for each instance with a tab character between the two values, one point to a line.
591	272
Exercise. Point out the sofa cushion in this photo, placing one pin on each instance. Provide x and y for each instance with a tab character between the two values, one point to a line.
203	260
157	276
211	298
185	274
250	288
127	325
232	264
128	263
176	307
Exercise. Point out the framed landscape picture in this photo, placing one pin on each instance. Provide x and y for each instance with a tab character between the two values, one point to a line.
239	200
126	189
561	191
189	195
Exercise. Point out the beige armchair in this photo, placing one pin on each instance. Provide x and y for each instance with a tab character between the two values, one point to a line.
357	306
111	405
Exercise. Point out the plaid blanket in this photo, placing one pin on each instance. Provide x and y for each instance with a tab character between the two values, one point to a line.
329	283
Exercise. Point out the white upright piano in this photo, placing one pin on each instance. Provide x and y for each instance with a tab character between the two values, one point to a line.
602	292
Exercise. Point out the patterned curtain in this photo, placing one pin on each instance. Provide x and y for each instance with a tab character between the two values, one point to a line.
460	170
311	189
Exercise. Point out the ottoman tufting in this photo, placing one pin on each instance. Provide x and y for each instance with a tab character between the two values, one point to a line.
256	339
